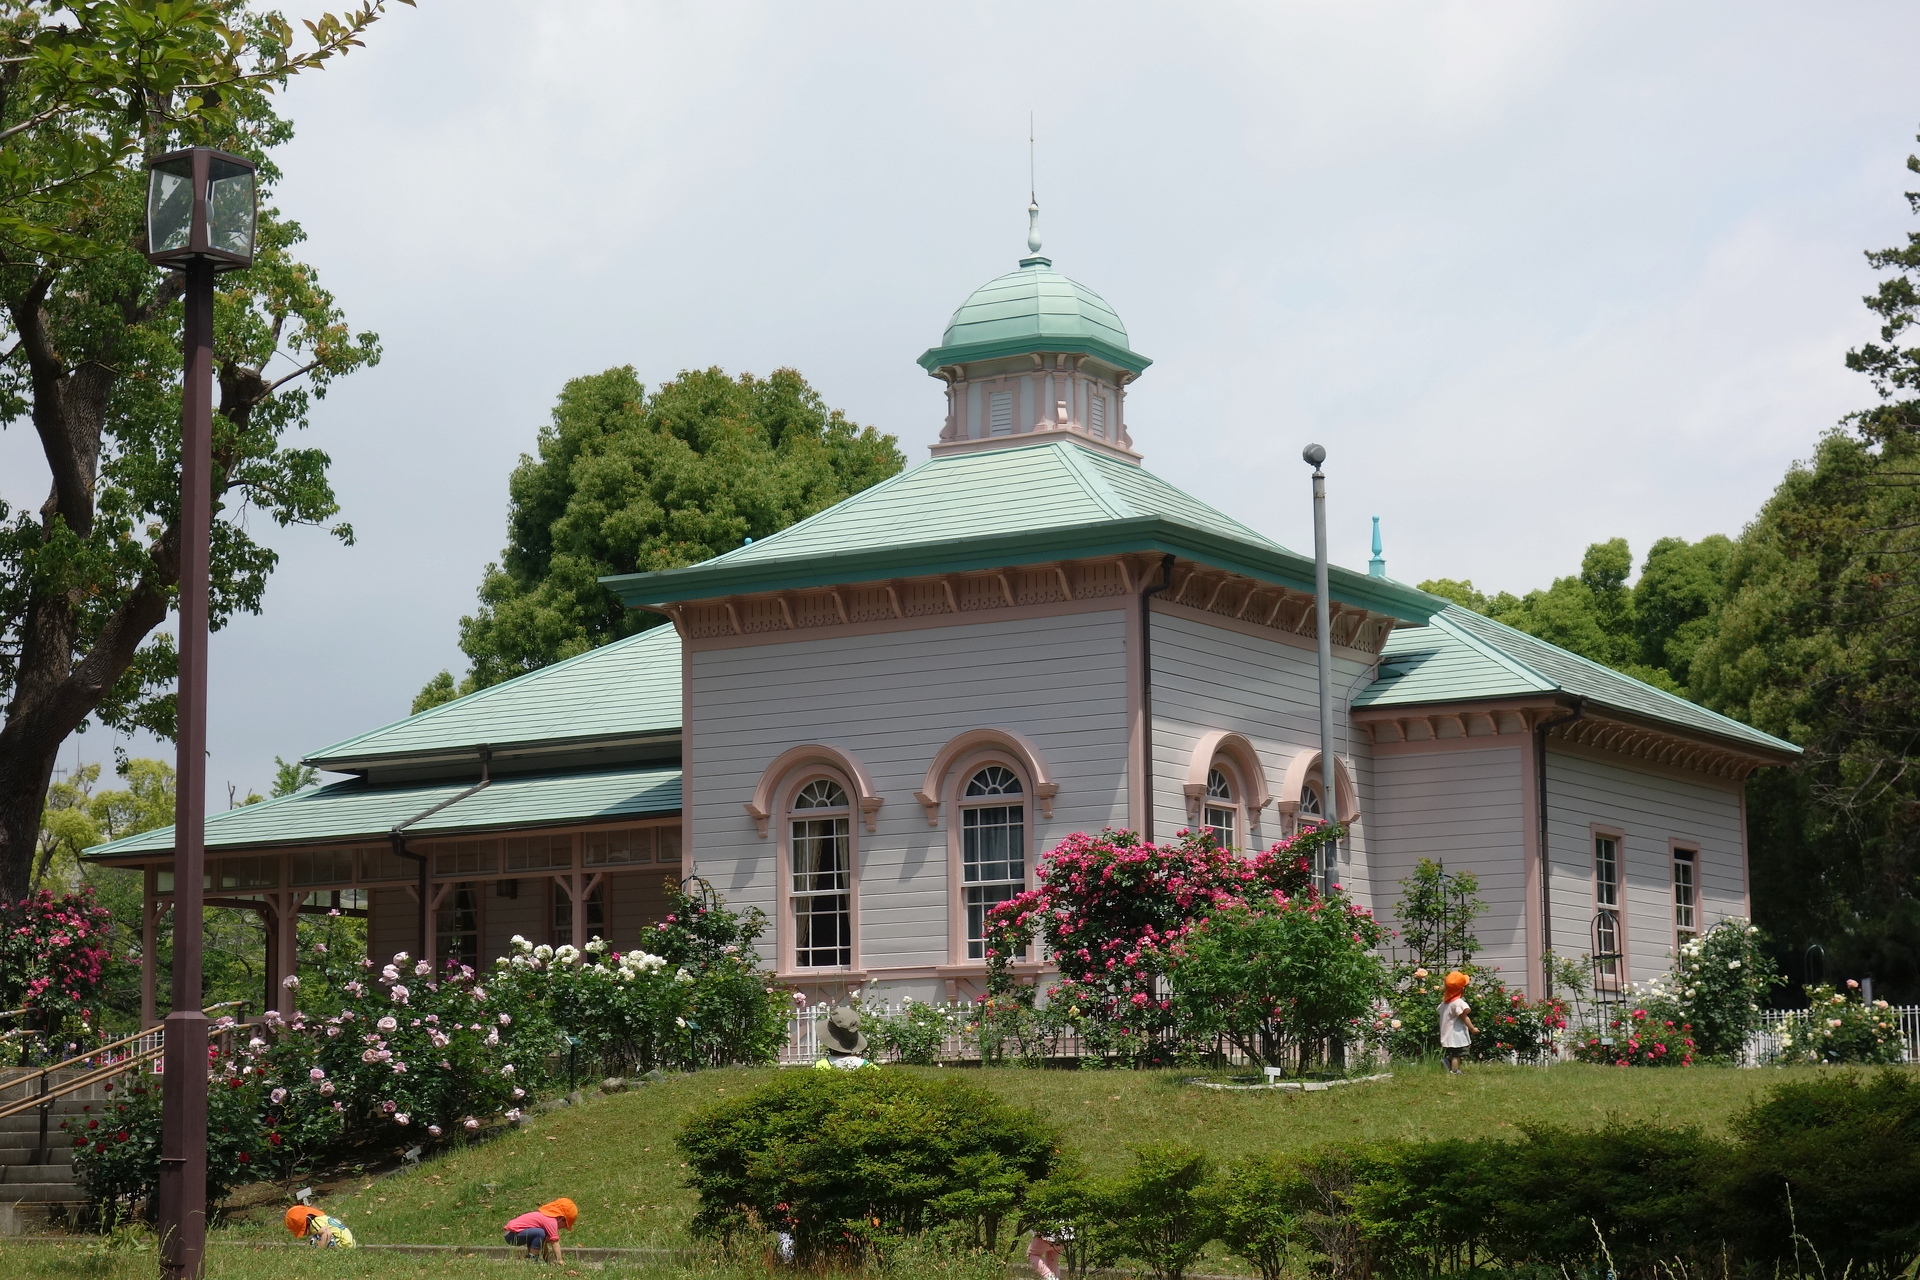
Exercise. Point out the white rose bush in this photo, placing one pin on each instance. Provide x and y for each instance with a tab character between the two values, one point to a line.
1840	1027
692	995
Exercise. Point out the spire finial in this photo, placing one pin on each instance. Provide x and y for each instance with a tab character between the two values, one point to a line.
1376	567
1033	198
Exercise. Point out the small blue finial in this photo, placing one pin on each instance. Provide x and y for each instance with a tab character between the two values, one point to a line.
1376	521
1376	567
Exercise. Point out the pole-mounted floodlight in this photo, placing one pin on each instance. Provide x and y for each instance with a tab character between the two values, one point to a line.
201	215
1314	455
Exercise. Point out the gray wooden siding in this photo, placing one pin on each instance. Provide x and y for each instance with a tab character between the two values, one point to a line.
1207	677
635	900
1651	808
894	700
393	924
501	918
1465	808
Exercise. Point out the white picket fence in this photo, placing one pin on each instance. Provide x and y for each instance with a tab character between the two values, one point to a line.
805	1041
1763	1046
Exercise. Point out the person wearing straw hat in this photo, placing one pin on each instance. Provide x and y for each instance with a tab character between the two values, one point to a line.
320	1230
846	1042
1456	1028
540	1230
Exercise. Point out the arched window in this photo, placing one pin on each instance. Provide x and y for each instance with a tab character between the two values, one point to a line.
1220	809
821	890
1310	814
993	848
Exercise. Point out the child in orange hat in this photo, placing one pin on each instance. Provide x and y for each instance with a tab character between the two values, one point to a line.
540	1230
318	1229
1456	1028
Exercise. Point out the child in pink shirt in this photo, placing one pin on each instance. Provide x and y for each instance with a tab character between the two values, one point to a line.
540	1229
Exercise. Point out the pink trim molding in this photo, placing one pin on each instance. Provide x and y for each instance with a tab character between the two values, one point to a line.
760	808
1007	740
1246	761
1302	767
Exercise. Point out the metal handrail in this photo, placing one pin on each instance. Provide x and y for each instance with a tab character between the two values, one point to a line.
86	1059
96	1076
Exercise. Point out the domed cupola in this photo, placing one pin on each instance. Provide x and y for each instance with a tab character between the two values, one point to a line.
1030	353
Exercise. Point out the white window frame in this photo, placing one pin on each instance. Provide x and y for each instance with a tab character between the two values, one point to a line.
1686	891
978	895
839	819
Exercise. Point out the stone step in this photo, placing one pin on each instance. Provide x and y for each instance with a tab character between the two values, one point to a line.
21	1178
41	1193
58	1152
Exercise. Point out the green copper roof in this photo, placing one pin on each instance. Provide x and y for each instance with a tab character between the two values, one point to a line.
1462	656
1027	504
629	688
354	810
1034	309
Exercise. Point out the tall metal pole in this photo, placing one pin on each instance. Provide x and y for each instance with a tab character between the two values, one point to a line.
1323	628
183	1138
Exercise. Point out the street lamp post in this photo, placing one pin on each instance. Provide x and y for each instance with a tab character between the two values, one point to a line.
200	220
1314	455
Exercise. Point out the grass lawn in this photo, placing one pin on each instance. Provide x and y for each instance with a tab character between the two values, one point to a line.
615	1155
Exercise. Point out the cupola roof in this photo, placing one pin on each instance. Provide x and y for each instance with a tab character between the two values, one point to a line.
1034	309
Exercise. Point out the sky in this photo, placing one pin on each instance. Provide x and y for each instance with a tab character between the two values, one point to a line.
1535	274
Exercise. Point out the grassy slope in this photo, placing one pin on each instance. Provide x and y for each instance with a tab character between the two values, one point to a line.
615	1156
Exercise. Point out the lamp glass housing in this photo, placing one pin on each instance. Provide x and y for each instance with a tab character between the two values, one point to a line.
170	205
230	208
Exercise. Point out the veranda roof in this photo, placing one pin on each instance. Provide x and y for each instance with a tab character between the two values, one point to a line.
629	689
356	811
1051	500
1463	656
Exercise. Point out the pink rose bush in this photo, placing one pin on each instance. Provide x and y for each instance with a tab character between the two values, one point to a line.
53	961
1114	913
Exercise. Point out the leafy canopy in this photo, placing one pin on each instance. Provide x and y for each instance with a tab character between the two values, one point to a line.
625	482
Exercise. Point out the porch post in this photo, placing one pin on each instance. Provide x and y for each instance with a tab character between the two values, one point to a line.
149	944
289	939
576	889
270	921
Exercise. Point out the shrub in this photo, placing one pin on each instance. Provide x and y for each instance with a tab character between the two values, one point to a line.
1258	1206
1639	1187
1838	1158
1839	1028
700	1000
116	1146
1073	1209
1160	1209
53	957
1280	977
1650	1030
1111	907
1509	1023
851	1159
913	1035
1720	980
1427	1206
409	1059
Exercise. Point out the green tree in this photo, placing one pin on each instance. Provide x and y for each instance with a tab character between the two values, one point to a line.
94	359
1675	600
290	776
1818	640
627	482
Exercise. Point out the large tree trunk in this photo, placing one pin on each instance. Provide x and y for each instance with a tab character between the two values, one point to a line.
53	694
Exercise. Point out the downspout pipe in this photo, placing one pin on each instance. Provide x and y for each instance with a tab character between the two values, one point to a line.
398	837
1146	693
1546	864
